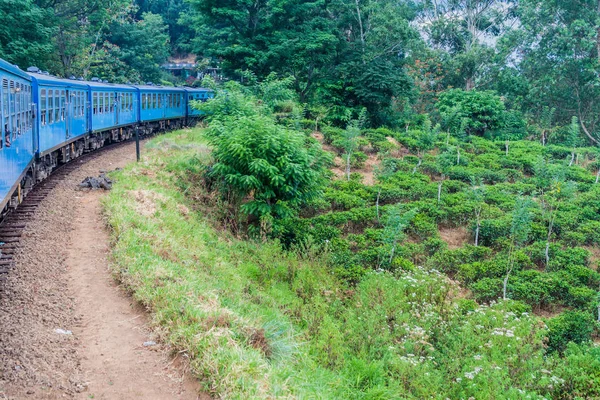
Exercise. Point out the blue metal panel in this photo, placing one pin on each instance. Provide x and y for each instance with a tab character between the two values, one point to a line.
61	110
16	135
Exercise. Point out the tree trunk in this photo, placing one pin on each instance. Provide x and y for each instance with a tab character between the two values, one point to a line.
348	166
448	138
572	158
458	157
505	283
362	32
470	84
393	251
377	204
440	190
506	147
477	232
547	253
417	166
543	138
598	176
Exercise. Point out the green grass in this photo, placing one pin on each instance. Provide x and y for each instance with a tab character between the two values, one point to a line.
259	322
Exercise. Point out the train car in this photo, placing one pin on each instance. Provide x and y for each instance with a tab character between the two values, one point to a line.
113	111
17	141
62	119
196	94
161	108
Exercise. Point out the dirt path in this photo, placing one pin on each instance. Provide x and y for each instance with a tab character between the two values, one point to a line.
66	329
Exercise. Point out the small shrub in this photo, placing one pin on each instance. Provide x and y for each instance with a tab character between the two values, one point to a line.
570	326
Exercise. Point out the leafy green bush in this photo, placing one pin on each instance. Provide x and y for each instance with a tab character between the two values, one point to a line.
483	111
570	326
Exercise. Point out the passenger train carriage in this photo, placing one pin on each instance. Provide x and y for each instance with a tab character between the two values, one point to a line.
47	121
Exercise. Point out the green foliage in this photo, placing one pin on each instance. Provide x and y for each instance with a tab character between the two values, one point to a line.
571	326
267	169
477	112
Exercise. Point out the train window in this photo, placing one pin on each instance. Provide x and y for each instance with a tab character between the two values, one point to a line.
20	90
63	101
50	106
57	105
17	110
111	102
4	139
143	102
100	103
95	103
43	107
6	109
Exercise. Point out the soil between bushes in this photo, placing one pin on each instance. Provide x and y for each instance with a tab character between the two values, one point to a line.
66	329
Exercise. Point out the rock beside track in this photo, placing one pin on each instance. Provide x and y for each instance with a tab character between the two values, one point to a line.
101	182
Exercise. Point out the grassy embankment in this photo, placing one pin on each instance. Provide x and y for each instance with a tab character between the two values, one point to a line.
261	323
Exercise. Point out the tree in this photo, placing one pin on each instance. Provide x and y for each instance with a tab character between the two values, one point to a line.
349	139
466	32
263	168
477	196
560	47
572	138
394	228
25	33
143	46
519	235
480	112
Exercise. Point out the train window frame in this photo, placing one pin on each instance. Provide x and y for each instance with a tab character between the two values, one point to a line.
63	105
94	103
50	106
57	105
11	108
43	100
4	130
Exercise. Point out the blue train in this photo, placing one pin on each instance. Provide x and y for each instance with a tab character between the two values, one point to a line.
47	121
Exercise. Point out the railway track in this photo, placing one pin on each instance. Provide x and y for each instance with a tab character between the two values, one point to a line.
15	222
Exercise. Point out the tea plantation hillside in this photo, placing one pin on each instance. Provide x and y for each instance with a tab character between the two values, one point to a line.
464	199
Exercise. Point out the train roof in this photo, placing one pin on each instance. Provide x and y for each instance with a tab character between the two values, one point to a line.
45	79
193	89
159	88
13	69
53	80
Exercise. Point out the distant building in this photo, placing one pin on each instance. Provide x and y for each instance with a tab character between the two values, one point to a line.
189	70
184	68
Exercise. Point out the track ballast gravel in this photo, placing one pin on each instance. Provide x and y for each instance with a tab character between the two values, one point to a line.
41	350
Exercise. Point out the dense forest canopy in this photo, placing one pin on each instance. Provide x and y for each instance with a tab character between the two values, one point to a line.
392	57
